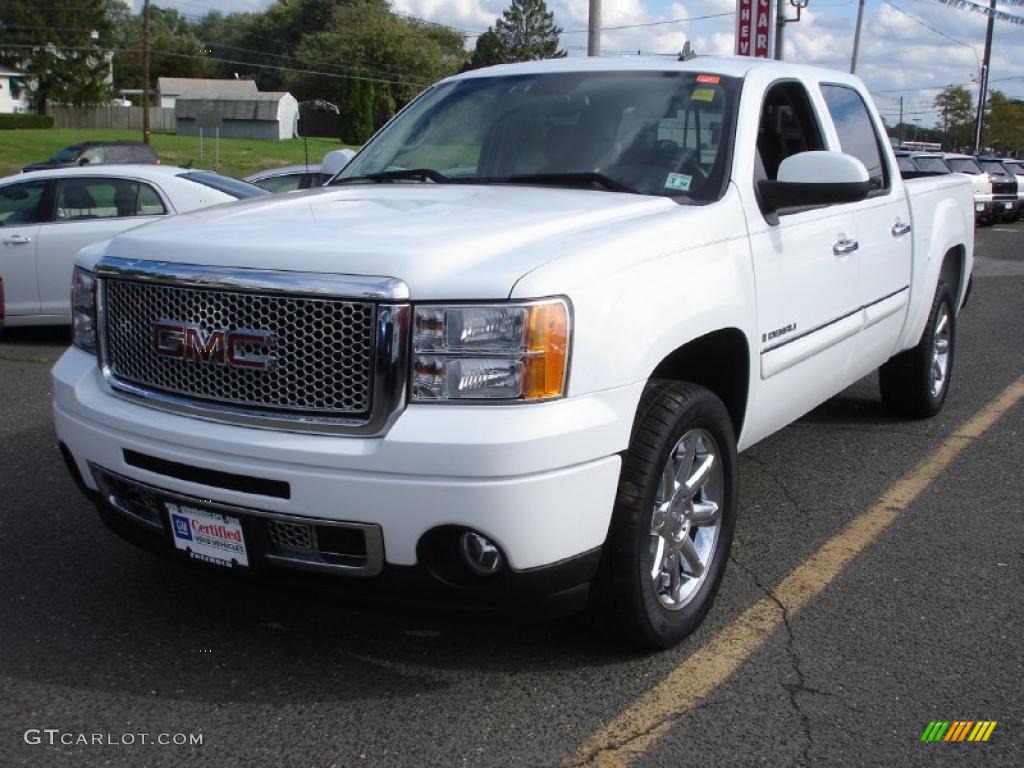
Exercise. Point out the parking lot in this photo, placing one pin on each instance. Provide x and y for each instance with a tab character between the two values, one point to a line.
848	664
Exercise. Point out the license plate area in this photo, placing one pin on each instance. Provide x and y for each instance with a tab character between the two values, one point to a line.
253	539
207	535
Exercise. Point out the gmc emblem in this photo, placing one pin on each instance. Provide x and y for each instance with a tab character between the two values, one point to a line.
186	341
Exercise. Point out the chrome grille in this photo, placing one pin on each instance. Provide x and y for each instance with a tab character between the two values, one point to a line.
323	348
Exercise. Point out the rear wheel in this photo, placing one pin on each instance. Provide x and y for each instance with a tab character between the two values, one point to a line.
674	516
915	382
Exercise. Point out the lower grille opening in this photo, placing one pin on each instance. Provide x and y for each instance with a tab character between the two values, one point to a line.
330	545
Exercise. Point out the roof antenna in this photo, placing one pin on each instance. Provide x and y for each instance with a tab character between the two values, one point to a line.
687	53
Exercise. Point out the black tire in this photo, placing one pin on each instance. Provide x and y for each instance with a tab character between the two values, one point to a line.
906	380
625	592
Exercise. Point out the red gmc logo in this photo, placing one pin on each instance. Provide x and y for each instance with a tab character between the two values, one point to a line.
186	341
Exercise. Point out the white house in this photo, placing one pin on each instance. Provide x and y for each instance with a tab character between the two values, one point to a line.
13	91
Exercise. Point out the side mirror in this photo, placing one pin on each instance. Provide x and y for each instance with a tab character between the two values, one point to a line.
84	161
814	179
335	160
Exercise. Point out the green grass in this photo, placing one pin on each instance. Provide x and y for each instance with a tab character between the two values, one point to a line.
238	157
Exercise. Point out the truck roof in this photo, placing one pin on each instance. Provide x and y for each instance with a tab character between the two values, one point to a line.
729	66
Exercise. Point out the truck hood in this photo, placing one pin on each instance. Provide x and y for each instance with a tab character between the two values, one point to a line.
445	242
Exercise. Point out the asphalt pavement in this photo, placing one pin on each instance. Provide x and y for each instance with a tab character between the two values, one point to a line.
927	624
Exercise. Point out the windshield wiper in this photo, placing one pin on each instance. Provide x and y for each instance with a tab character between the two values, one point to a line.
404	174
587	178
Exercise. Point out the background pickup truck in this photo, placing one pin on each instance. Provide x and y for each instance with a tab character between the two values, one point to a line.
508	357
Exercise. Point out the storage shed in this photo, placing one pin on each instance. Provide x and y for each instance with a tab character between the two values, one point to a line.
272	115
173	88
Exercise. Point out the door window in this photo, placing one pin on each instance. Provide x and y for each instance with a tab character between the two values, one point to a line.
788	126
857	134
80	199
23	203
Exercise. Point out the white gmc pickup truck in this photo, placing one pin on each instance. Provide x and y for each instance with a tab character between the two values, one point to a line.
509	355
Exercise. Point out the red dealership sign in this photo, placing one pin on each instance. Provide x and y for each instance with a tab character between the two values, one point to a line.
753	22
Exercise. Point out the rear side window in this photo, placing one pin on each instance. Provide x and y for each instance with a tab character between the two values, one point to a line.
237	189
857	135
905	164
86	198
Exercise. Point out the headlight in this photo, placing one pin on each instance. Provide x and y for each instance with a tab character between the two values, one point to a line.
83	310
491	352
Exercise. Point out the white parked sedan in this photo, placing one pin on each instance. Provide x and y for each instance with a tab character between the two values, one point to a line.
47	217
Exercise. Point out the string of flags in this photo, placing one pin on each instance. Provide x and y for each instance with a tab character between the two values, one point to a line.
967	5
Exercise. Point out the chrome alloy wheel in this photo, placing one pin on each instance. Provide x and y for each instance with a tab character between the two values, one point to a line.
686	519
940	351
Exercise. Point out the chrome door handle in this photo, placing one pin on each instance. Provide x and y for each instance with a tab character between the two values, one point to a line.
900	228
17	240
844	246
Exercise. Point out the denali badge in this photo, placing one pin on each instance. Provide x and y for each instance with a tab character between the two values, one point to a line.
186	341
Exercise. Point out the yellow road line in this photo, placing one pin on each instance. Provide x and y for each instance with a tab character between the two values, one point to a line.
651	716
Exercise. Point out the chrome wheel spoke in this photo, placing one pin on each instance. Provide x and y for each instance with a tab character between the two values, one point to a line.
700	475
658	561
940	326
691	557
675	573
704	513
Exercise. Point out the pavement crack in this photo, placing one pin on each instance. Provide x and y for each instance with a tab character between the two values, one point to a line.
791	497
800	686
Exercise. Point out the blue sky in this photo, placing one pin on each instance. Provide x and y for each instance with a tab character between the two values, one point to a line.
909	48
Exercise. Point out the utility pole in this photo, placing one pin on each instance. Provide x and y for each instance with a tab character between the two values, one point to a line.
856	37
899	126
145	74
780	26
594	29
983	96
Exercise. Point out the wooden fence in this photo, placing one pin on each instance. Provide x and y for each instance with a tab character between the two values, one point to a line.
123	118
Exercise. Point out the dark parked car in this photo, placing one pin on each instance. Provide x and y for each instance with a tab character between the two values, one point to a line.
98	153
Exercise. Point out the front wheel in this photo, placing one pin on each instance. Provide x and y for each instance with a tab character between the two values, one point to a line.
915	382
674	516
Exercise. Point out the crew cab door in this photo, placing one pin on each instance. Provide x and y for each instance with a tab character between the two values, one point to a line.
23	206
807	294
883	225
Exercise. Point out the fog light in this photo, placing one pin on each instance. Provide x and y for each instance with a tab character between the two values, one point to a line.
480	554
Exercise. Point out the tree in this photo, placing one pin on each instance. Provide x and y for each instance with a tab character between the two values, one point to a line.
370	63
63	51
525	31
175	49
956	107
1004	123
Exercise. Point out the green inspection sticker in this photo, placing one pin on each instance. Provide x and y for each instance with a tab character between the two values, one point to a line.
678	181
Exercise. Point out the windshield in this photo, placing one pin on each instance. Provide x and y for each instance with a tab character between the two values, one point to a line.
964	165
237	189
655	133
991	166
932	164
66	155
